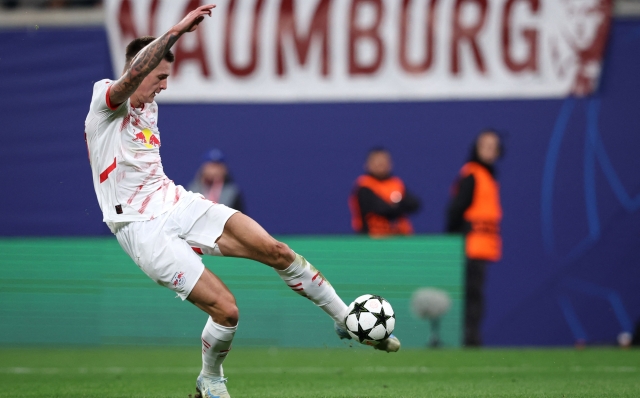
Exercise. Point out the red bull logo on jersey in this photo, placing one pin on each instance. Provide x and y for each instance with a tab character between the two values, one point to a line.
178	280
147	138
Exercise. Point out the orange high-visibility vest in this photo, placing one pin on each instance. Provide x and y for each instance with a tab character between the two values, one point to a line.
485	214
377	224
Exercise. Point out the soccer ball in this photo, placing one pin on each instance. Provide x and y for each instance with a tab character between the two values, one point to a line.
370	319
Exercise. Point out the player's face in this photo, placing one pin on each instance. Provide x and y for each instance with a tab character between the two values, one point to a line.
154	83
488	148
379	164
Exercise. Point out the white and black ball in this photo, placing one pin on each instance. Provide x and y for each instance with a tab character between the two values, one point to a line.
370	319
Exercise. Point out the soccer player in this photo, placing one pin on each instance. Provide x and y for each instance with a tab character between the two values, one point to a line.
162	226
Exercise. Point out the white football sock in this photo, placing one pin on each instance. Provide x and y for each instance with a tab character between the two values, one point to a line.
216	343
304	279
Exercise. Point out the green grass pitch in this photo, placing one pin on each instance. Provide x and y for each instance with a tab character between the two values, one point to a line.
343	372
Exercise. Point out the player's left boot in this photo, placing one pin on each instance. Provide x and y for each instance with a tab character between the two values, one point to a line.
211	387
390	344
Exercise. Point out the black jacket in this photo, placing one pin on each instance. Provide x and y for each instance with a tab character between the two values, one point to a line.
369	202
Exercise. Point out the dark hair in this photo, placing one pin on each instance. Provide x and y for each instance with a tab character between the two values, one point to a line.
473	153
377	149
138	44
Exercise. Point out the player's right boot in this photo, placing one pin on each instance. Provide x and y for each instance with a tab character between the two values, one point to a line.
390	344
211	387
341	332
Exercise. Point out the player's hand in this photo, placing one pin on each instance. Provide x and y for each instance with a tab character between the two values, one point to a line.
190	22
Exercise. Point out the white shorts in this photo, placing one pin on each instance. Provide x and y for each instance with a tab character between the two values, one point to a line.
165	247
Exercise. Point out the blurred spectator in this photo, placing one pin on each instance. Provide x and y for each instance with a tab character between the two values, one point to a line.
379	202
50	3
214	182
73	3
475	211
9	3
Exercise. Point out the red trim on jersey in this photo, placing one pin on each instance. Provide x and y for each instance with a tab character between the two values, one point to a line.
105	174
146	201
109	105
147	178
125	122
197	250
177	197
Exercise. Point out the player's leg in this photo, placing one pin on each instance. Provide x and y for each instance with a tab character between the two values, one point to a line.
209	293
158	249
212	296
222	231
243	237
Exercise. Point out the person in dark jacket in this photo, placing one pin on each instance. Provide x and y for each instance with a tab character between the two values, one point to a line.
380	203
475	211
214	182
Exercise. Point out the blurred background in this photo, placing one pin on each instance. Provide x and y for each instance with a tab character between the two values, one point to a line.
295	93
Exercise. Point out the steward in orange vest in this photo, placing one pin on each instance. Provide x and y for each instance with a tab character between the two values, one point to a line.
379	202
476	212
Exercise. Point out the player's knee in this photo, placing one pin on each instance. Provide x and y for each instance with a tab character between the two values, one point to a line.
228	311
231	315
279	253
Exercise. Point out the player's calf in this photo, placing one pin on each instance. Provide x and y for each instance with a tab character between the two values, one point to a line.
216	344
305	280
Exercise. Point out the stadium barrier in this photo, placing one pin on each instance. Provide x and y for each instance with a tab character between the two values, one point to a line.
87	291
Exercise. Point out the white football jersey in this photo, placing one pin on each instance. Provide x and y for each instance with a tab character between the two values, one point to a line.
124	151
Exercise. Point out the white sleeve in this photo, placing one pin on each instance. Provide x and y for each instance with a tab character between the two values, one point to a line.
100	110
100	100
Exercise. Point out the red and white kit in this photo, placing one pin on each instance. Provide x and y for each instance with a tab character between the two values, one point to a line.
156	221
124	150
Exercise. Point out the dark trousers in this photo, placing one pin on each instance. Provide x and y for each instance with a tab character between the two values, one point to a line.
474	301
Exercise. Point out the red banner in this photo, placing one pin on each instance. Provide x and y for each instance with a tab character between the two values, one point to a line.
362	50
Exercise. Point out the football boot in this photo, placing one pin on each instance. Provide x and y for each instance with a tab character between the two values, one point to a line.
211	387
390	344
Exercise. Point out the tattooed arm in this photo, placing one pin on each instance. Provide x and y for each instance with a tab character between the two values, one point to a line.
150	56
